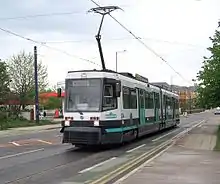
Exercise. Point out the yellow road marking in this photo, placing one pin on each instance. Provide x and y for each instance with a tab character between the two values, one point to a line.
108	177
42	141
128	165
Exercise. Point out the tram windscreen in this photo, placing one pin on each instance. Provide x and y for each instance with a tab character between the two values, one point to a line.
83	95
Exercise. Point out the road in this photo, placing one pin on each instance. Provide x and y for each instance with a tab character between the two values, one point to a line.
40	158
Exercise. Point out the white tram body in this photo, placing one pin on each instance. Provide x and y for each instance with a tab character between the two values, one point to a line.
105	107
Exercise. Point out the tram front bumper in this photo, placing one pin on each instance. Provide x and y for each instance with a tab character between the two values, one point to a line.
82	135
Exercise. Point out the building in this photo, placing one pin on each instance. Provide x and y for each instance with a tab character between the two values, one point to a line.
187	95
43	97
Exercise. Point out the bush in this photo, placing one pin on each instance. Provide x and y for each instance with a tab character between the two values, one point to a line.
217	146
3	120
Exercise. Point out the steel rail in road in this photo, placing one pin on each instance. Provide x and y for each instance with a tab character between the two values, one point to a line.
129	166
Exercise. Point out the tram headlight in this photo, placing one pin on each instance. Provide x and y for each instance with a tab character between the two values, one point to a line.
96	123
67	123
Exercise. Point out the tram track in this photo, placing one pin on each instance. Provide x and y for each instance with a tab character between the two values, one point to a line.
54	168
142	158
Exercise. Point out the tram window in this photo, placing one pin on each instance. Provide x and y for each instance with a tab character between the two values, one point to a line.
172	103
176	104
126	98
168	102
108	91
109	101
164	101
146	100
149	100
133	104
157	100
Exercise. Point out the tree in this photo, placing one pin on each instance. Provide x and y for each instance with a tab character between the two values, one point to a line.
52	88
209	76
4	82
53	103
21	69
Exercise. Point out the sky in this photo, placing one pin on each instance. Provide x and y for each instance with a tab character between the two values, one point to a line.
177	30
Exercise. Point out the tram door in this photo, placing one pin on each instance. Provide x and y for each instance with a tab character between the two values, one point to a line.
141	106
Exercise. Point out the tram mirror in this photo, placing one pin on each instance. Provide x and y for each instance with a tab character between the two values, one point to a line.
59	91
117	89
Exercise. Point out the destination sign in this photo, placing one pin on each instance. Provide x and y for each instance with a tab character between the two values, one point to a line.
80	83
141	78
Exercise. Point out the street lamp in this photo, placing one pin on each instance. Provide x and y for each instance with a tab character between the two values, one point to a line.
116	62
171	82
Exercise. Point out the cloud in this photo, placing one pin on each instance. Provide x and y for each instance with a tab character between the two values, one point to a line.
79	22
184	21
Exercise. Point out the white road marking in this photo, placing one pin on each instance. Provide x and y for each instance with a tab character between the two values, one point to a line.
58	135
135	148
14	143
94	166
22	153
157	155
158	138
200	126
188	130
42	141
141	166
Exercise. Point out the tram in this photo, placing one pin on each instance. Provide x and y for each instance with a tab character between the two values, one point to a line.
106	107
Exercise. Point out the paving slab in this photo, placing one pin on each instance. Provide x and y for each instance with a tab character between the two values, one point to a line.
190	161
180	166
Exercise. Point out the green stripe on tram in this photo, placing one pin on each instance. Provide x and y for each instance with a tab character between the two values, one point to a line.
121	129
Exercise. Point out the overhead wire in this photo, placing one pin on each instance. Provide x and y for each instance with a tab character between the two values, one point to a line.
145	45
40	15
68	13
126	38
44	44
46	15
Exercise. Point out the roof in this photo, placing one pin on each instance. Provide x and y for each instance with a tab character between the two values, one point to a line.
50	94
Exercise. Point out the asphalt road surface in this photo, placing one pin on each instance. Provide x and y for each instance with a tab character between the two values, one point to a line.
40	158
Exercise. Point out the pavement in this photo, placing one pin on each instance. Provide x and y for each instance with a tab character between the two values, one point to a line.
27	130
190	161
38	156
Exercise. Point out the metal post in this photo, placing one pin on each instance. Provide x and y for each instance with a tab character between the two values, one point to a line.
171	83
189	100
36	85
116	62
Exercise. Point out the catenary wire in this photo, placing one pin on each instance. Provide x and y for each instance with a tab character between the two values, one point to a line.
143	43
44	44
46	15
40	15
127	38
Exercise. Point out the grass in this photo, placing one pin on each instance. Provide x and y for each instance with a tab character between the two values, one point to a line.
16	123
217	146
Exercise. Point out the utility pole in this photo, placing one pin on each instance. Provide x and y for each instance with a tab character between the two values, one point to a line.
36	85
190	103
103	11
116	62
171	83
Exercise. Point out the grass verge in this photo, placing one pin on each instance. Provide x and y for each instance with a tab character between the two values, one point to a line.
217	146
16	123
